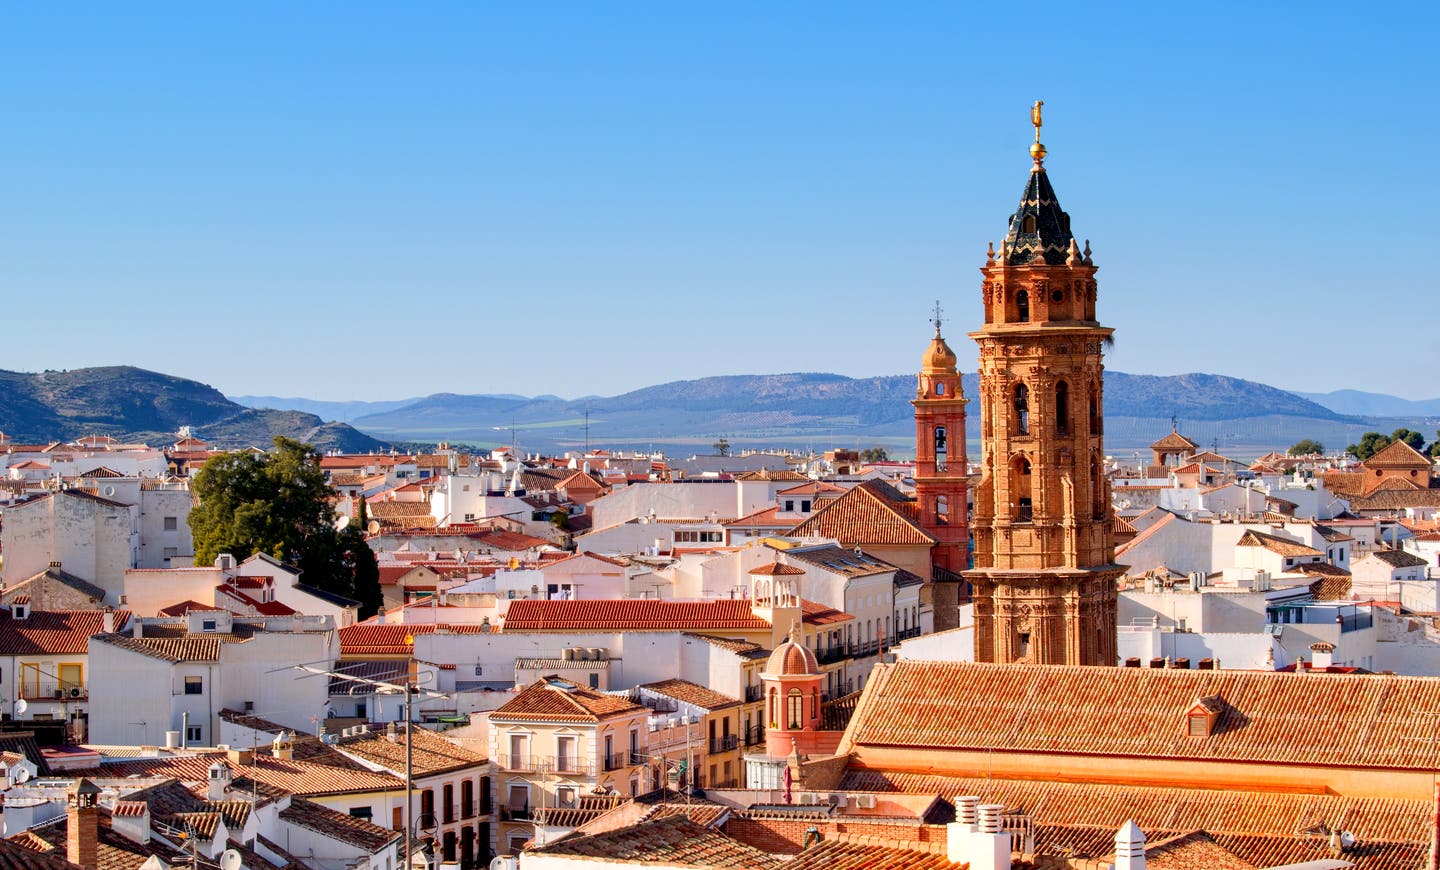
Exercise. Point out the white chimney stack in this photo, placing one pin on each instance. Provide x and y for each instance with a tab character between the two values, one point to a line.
960	832
1130	847
1322	655
989	847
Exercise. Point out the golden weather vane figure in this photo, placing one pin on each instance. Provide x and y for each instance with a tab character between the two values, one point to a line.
1037	151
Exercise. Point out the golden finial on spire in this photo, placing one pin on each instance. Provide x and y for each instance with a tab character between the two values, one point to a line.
1037	151
936	319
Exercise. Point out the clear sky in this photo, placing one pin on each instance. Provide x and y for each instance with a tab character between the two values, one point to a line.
373	201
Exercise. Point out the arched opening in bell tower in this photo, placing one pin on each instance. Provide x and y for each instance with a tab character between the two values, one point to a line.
1022	305
1022	409
1020	492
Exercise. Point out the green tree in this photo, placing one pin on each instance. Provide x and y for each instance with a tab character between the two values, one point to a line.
276	503
357	562
1306	447
1435	447
1409	436
874	454
1370	443
722	447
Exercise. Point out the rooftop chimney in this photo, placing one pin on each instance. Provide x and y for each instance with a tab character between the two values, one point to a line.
989	847
107	621
1129	847
82	833
1322	655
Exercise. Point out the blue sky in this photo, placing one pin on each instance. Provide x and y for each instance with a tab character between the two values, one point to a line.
367	201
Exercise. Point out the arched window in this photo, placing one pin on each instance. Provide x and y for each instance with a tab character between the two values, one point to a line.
774	709
942	510
1095	421
1020	481
1097	490
1062	408
1028	225
941	444
940	388
1022	409
794	710
1022	306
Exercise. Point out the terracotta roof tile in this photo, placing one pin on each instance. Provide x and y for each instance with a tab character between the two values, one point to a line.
870	513
1277	545
693	693
431	752
674	841
555	700
1398	454
337	825
55	632
368	638
1368	721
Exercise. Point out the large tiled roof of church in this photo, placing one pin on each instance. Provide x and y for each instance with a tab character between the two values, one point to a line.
1051	234
552	699
1174	441
1367	721
1268	829
1279	546
671	841
870	513
52	632
1398	454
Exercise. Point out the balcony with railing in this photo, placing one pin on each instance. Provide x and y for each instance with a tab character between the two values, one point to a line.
725	743
906	634
52	690
831	654
524	762
754	735
754	693
864	648
516	814
615	761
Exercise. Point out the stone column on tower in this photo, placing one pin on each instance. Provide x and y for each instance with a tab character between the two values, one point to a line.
1044	578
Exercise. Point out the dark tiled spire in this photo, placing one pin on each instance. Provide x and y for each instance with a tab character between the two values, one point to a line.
1047	224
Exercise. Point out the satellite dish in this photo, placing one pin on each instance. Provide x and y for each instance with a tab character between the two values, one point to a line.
21	705
22	774
341	522
230	860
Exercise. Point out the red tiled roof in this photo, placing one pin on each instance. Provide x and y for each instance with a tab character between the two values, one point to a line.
53	632
368	638
871	513
693	693
555	700
1398	454
1367	721
303	778
1277	545
672	841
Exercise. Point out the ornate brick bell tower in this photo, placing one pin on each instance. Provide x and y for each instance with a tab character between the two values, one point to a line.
940	473
1044	576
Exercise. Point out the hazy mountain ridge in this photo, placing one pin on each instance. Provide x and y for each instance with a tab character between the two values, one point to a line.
134	404
799	408
1366	404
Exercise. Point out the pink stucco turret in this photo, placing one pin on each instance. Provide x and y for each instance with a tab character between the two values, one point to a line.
792	680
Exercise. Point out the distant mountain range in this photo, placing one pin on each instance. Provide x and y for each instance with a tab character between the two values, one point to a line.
796	410
1374	404
133	404
826	410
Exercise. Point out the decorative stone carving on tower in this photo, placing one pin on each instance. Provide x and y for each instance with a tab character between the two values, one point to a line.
1044	577
941	480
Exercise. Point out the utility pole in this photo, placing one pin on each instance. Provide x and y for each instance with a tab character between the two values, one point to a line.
411	688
